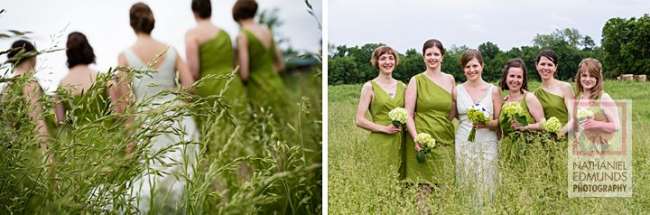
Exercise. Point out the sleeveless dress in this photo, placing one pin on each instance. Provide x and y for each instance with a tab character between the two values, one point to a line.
91	105
174	144
596	141
265	87
513	145
215	67
432	107
217	80
553	105
386	147
476	162
20	152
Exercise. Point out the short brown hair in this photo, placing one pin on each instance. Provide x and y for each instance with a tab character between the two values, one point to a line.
470	54
381	50
594	68
244	9
20	51
141	18
547	53
433	43
202	8
78	50
514	63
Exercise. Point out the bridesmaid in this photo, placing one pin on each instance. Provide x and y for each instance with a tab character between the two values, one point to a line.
476	162
515	81
555	96
599	129
23	94
379	96
429	105
260	61
83	91
210	59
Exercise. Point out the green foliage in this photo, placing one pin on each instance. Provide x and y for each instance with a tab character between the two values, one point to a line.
626	47
349	65
262	166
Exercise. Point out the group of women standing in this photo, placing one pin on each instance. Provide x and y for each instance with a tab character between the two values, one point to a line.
86	96
432	99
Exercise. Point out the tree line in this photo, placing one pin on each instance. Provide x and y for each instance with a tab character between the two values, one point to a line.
625	48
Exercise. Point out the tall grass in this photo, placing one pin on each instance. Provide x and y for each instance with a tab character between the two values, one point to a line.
257	165
358	187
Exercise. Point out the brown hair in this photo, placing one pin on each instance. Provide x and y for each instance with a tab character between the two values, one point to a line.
433	43
141	18
20	51
470	54
78	50
244	9
547	53
514	63
202	8
381	50
594	68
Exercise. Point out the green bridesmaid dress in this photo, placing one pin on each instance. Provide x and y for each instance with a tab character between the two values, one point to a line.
20	152
386	147
432	107
91	106
553	148
506	128
596	140
215	67
553	105
265	87
513	144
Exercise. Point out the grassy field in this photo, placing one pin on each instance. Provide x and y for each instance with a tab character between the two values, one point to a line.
356	187
260	165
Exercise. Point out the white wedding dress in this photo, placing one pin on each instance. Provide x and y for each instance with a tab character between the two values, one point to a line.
175	148
476	162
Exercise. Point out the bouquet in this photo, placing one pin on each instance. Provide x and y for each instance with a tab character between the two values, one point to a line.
427	143
584	114
514	113
478	115
398	116
552	125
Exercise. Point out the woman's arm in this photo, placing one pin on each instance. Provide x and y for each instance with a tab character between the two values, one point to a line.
364	103
569	99
121	90
242	53
59	110
454	111
184	74
32	94
192	55
535	109
611	113
120	93
410	96
497	101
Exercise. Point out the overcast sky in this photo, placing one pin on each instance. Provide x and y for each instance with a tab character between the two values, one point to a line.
106	24
407	24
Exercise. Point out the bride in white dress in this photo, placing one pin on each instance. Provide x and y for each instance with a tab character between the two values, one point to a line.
170	156
476	162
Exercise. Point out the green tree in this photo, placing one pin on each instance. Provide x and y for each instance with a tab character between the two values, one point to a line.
625	45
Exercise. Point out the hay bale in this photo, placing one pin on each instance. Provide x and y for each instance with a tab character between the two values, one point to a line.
641	78
628	77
